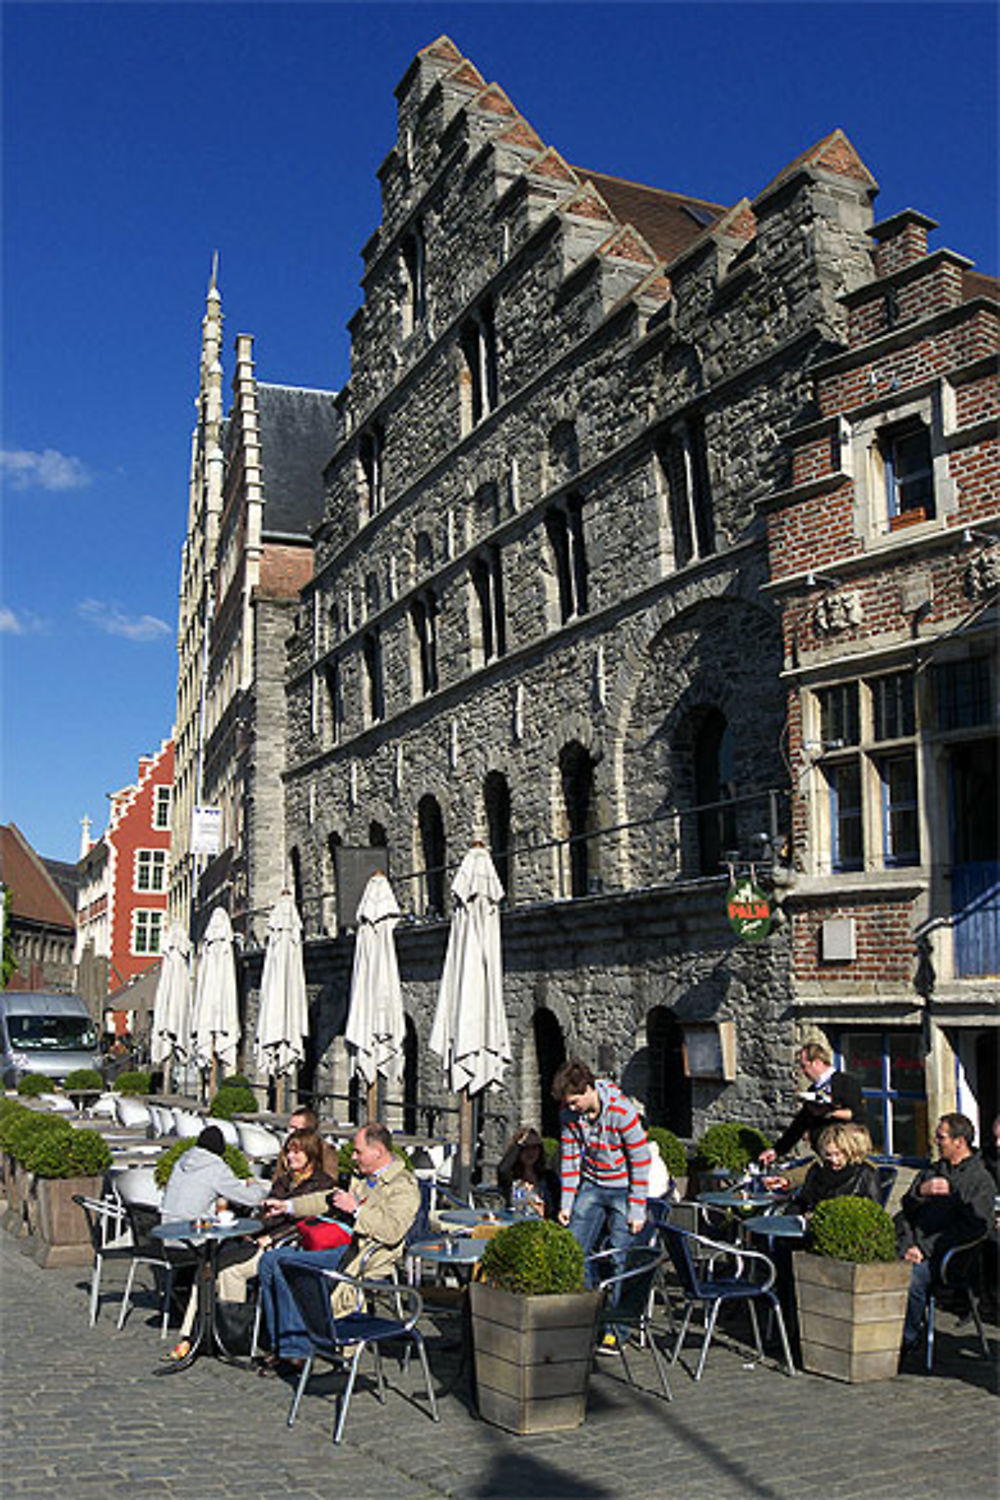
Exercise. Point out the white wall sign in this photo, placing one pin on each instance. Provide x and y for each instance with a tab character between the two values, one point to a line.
206	830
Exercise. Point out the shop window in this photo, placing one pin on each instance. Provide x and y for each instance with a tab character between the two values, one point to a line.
889	1065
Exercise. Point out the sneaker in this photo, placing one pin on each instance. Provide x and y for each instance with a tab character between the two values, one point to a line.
609	1344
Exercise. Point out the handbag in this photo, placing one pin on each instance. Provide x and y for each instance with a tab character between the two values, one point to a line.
322	1234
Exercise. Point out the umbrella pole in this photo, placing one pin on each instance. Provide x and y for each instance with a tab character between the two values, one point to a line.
372	1100
465	1143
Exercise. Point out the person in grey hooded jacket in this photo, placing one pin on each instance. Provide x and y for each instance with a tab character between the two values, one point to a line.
199	1179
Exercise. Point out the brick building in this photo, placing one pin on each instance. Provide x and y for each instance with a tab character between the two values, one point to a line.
885	557
122	897
538	615
255	493
40	915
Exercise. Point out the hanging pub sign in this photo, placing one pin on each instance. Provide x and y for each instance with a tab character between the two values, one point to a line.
748	909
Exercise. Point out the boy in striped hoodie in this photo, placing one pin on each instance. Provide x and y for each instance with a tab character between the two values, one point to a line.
604	1163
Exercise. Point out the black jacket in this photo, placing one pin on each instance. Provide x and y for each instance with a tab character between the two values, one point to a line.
855	1180
935	1223
842	1092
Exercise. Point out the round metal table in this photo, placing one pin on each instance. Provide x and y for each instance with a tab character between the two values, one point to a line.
205	1236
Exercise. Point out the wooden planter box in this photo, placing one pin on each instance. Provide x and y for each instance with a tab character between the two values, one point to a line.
533	1357
850	1316
61	1227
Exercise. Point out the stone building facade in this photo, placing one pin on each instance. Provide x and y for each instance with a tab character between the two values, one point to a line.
256	492
885	558
538	617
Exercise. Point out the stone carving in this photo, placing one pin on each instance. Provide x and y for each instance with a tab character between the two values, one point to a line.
838	612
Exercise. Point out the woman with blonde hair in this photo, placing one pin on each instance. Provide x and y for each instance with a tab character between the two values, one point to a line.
841	1172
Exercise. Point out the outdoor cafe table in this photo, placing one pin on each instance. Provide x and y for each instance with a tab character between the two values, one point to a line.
463	1252
736	1198
204	1236
775	1226
470	1218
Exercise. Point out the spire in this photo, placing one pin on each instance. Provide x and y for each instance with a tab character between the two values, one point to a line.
84	836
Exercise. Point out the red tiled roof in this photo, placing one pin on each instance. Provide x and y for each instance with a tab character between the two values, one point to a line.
671	222
34	894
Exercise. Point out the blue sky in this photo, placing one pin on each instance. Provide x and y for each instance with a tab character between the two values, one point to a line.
138	138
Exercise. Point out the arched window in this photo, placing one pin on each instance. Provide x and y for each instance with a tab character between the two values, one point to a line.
550	1054
377	838
668	1092
576	768
430	825
564	527
423	616
714	783
496	796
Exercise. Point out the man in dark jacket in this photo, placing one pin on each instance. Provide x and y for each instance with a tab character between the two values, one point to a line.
947	1204
830	1098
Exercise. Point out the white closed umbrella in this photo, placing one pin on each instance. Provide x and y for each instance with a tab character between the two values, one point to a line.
215	1029
172	1006
376	1028
470	1024
283	1015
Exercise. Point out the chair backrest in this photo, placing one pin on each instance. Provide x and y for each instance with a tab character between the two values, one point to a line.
420	1229
256	1141
633	1283
187	1124
138	1185
678	1246
142	1219
311	1290
886	1176
133	1114
229	1132
98	1214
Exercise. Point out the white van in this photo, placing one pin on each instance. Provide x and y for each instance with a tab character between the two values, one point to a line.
45	1033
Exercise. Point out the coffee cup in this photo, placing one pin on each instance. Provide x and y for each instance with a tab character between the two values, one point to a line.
225	1216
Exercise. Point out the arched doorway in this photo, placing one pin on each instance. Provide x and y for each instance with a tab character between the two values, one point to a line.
550	1054
668	1099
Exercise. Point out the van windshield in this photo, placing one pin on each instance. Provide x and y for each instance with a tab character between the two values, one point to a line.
52	1033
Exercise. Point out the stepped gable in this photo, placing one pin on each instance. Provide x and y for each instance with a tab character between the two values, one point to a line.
588	204
492	100
627	244
668	222
467	73
521	136
834	153
551	165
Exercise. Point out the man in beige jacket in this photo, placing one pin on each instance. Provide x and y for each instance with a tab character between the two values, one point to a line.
382	1202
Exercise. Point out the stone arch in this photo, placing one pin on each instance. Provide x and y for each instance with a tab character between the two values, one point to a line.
432	855
543	1049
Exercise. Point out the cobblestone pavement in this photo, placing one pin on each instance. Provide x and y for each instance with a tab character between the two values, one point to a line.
85	1414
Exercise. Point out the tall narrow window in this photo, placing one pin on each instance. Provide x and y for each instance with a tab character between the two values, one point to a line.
334	699
374	680
496	797
564	525
844	782
423	613
715	784
432	850
480	371
487	583
909	474
415	274
576	766
371	451
684	460
898	777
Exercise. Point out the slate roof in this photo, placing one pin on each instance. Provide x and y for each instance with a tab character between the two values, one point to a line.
35	896
298	434
669	221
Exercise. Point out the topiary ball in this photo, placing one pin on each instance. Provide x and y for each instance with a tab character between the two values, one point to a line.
132	1082
232	1100
78	1153
83	1078
33	1084
854	1229
730	1145
672	1150
534	1258
32	1127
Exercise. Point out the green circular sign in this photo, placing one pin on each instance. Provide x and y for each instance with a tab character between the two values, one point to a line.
749	911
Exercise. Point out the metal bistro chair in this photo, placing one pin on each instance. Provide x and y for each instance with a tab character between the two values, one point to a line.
628	1301
109	1237
957	1272
346	1338
712	1290
150	1252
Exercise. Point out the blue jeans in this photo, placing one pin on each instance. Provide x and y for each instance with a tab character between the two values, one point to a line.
286	1330
916	1300
593	1208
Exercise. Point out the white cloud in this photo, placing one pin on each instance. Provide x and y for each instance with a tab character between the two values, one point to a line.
50	470
24	622
113	620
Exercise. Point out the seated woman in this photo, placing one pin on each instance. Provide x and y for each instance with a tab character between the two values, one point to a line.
522	1169
299	1170
841	1171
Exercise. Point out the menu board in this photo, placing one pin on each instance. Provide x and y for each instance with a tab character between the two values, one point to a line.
710	1050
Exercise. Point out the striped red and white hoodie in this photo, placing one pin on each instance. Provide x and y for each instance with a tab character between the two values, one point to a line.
611	1151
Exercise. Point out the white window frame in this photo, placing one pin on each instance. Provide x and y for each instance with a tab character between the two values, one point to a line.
864	455
155	860
162	799
147	924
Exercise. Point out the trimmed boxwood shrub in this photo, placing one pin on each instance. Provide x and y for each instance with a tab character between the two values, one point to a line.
553	1151
233	1100
11	1114
232	1156
235	1081
33	1084
731	1145
78	1153
535	1258
31	1128
83	1078
854	1229
132	1082
671	1149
